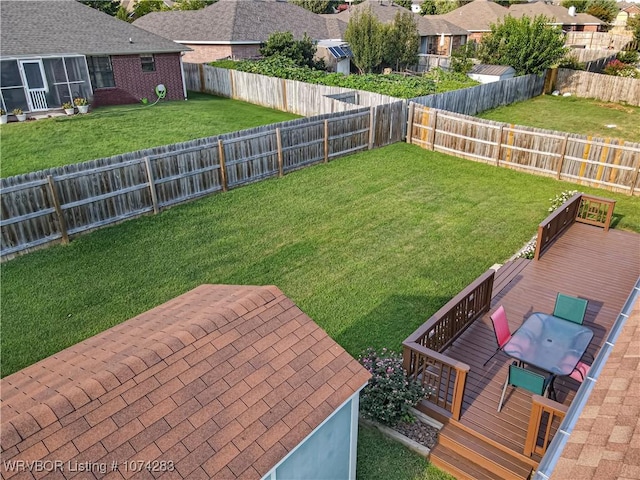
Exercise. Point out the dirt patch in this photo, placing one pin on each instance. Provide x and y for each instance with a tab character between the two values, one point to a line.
615	106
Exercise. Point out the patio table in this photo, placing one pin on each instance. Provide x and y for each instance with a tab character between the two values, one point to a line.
549	343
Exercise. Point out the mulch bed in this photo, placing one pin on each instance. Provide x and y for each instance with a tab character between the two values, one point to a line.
419	432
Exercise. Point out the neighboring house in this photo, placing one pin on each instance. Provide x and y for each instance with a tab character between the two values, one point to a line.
491	73
237	28
475	17
627	11
567	19
53	51
437	36
224	381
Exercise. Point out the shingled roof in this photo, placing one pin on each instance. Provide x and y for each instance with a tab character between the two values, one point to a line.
223	380
386	12
557	13
476	16
241	21
36	27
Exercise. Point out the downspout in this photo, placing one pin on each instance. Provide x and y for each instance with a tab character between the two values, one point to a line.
184	83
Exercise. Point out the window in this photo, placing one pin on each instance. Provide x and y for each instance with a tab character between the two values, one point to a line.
100	71
148	63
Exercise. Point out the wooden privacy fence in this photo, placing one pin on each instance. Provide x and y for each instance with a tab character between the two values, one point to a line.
473	100
422	350
606	163
580	208
599	40
53	205
608	88
287	95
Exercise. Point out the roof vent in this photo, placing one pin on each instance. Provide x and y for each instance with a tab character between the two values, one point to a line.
572	11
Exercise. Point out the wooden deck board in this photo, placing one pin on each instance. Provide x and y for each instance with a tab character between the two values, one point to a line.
585	262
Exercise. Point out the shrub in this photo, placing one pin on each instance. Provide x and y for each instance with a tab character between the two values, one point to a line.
571	62
619	69
558	200
628	56
390	393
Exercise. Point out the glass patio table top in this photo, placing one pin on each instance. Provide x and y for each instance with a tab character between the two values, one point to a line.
549	343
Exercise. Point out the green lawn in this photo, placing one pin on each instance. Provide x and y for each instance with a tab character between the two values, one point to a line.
369	246
36	145
572	114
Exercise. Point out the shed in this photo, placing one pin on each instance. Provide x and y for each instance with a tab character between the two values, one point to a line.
223	381
491	73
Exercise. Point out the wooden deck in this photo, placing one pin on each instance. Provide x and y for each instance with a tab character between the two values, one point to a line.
586	262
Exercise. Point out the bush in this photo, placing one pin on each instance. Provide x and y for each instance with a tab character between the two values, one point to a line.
390	393
619	69
571	62
628	56
558	200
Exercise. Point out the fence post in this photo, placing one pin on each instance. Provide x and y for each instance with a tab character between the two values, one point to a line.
279	144
326	141
201	71
372	126
563	151
285	104
58	209
634	180
410	123
432	132
152	185
510	138
223	169
499	145
233	84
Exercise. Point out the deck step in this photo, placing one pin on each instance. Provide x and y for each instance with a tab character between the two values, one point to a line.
506	273
474	449
446	459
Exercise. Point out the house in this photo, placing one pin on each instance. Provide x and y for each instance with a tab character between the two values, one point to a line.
491	73
567	19
54	51
241	27
627	10
476	17
437	36
224	381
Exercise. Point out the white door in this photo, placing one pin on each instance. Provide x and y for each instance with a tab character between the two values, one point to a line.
35	84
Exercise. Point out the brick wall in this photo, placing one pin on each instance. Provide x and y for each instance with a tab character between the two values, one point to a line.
132	84
209	53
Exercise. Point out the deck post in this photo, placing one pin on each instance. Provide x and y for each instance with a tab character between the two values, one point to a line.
458	393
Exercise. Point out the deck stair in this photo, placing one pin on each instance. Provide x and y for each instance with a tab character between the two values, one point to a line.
470	456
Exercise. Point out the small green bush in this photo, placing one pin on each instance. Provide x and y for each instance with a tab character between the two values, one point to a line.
558	200
390	393
629	57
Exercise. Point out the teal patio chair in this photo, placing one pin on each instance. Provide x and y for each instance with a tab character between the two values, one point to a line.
523	378
570	308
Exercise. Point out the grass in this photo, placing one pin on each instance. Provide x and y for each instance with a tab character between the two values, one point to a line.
399	462
36	145
369	246
572	114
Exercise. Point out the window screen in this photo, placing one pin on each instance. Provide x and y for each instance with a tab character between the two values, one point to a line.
101	72
148	63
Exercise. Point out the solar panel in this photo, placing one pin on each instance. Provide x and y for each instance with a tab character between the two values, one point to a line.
336	52
347	51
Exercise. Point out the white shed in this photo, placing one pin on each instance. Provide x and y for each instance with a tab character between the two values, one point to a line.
491	73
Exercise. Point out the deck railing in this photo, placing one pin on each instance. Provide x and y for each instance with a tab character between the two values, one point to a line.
555	413
579	208
423	359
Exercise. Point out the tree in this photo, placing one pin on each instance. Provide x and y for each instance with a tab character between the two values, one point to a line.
605	10
528	45
110	7
317	6
633	24
428	7
142	7
402	41
403	3
446	6
461	58
365	35
192	4
283	44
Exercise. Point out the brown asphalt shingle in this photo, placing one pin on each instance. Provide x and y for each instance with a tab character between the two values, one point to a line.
181	383
605	442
